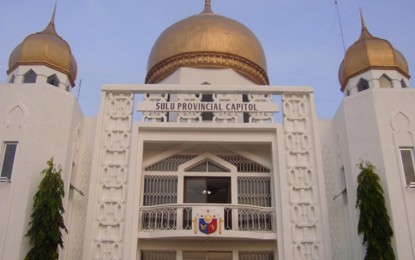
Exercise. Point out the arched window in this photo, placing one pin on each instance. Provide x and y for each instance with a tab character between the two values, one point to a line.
385	81
362	85
29	77
53	80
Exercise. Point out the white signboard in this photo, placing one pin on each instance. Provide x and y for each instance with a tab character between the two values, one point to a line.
153	106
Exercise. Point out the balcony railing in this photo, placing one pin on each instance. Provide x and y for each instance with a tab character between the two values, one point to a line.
209	219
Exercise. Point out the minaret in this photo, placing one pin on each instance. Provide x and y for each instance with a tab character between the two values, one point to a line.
43	57
372	62
374	123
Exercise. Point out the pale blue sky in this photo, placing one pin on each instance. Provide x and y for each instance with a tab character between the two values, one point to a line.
111	39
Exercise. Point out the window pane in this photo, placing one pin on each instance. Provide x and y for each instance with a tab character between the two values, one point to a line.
215	168
30	77
218	190
408	166
207	166
53	80
207	190
195	190
199	168
7	168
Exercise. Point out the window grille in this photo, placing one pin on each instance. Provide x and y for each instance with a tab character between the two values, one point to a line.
254	191
158	255
207	255
171	164
159	190
255	255
243	164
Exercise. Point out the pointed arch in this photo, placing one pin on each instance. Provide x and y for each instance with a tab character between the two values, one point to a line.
15	116
362	85
385	81
30	77
53	80
202	162
400	122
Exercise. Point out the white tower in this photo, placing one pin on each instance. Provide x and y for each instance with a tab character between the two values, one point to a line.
39	119
375	123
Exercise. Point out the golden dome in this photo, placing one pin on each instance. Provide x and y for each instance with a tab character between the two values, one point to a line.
369	52
45	48
210	41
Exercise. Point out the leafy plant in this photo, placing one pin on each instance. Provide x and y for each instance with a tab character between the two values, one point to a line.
46	223
374	219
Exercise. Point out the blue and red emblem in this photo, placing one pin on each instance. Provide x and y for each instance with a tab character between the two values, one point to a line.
207	224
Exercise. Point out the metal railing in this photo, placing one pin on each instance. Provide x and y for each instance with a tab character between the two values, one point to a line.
174	217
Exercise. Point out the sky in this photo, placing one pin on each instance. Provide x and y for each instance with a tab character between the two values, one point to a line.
302	40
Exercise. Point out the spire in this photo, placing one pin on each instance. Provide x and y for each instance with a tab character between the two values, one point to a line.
365	34
208	7
362	19
50	28
52	19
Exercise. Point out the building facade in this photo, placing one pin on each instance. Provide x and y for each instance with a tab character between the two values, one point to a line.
195	163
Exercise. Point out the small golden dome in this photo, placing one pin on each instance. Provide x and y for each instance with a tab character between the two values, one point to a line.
207	40
369	52
45	48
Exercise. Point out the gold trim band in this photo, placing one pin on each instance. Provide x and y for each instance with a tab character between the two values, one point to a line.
207	60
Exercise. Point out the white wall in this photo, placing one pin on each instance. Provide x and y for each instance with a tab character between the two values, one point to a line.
365	128
44	120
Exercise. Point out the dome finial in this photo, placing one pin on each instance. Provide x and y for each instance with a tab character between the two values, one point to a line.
52	19
50	28
208	7
362	19
365	34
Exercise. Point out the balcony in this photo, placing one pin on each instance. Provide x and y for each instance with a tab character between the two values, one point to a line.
211	220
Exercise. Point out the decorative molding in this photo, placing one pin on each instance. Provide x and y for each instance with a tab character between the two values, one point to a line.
302	178
261	117
191	116
112	175
225	117
400	122
16	115
207	60
401	127
155	116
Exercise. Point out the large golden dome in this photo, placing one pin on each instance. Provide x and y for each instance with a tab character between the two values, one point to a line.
210	41
45	48
369	52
